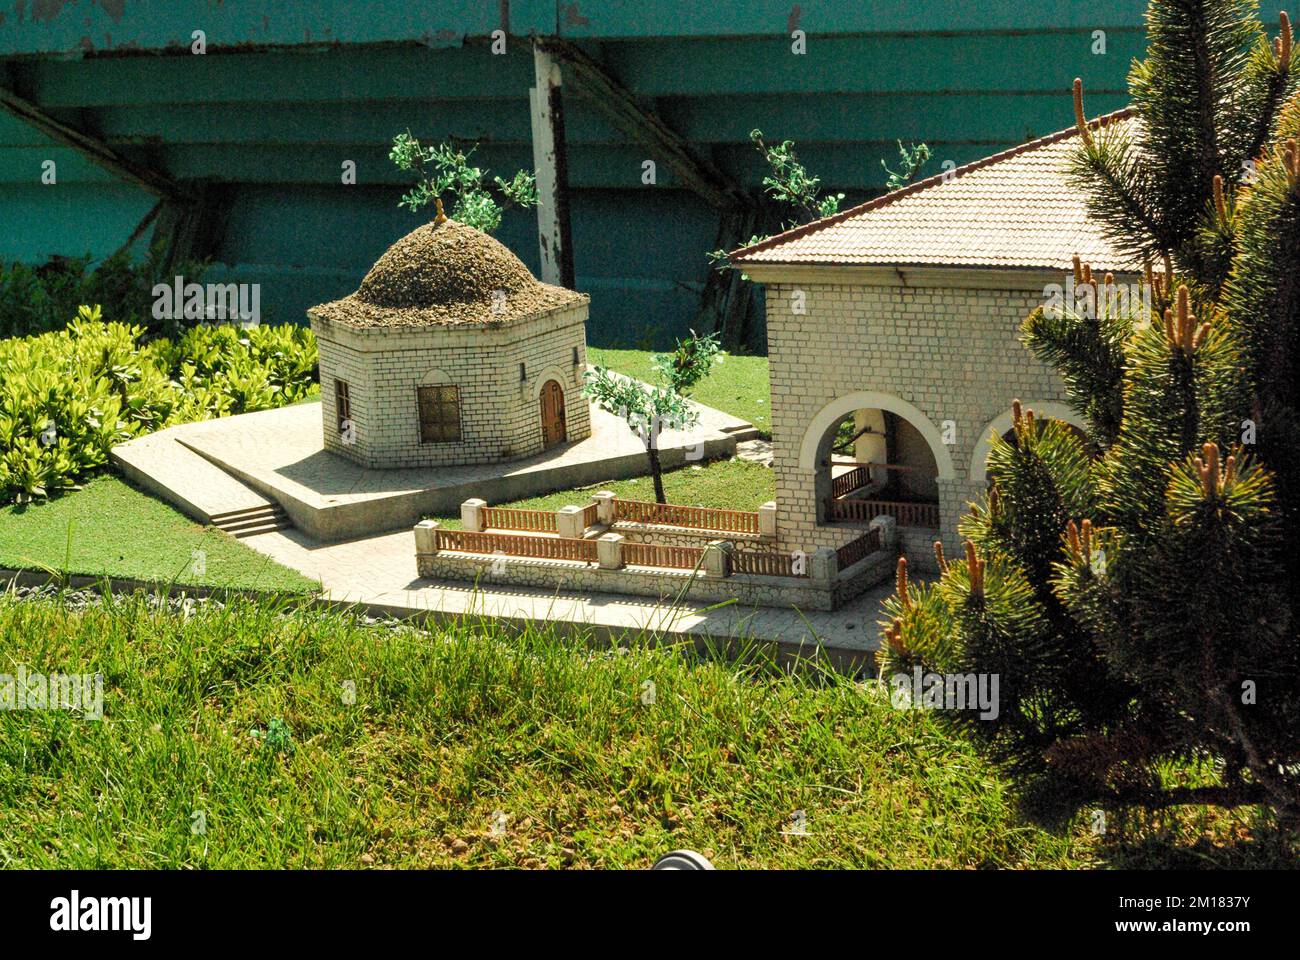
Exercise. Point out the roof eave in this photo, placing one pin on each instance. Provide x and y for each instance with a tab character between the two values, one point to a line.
970	276
738	256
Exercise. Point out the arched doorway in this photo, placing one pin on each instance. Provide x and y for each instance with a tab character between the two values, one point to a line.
820	465
877	462
553	422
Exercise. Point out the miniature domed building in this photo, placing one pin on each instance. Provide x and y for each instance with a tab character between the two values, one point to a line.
451	352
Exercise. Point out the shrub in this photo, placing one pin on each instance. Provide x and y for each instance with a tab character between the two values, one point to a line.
41	299
1134	602
67	397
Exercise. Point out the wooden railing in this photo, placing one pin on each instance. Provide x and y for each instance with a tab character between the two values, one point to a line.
855	550
590	514
848	482
904	514
658	555
767	564
698	518
513	518
512	545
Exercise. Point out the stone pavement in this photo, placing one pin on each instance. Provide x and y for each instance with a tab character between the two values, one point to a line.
170	470
279	456
379	573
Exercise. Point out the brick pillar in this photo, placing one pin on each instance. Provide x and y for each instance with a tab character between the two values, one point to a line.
604	507
954	495
609	551
767	519
426	536
568	522
471	515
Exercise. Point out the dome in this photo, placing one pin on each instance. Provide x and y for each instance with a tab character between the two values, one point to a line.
447	273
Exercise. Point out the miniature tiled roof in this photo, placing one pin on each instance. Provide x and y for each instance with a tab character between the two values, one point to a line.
1015	209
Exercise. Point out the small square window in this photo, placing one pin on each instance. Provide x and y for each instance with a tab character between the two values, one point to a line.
439	414
342	403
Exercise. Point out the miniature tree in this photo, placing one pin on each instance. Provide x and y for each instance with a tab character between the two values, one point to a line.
647	409
444	170
799	193
1135	601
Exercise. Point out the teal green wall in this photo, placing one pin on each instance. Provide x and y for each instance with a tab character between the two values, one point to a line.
288	91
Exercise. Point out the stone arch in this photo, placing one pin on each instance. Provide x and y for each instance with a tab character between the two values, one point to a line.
1050	409
556	373
833	412
436	378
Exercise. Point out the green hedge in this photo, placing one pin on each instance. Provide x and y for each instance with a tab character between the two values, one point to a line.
42	298
69	396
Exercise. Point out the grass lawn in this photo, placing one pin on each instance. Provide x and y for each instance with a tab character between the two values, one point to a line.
730	484
118	530
737	385
471	748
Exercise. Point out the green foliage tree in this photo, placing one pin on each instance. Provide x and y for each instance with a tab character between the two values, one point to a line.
443	170
800	193
649	408
1135	594
913	157
39	299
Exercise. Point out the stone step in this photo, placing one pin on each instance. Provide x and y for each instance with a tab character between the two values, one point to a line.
256	521
269	526
234	516
200	489
742	432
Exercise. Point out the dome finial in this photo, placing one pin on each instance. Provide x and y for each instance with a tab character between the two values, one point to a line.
441	218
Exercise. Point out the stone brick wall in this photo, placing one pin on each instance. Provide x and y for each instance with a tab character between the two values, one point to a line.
500	410
931	350
665	585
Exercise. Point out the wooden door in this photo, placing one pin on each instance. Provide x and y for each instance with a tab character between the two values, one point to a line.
552	400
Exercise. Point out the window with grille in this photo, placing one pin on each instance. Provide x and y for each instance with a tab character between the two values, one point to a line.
439	414
342	403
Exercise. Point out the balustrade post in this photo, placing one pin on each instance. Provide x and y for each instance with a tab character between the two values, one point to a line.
568	522
426	536
823	567
471	515
888	527
717	559
609	551
605	507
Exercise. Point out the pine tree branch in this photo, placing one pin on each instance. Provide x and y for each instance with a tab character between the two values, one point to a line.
1157	798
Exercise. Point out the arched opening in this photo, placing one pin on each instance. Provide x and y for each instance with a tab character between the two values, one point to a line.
554	426
873	461
1001	426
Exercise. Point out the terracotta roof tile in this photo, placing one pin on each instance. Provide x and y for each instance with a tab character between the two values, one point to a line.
1015	209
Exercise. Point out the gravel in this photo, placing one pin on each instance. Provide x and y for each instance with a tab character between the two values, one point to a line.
447	274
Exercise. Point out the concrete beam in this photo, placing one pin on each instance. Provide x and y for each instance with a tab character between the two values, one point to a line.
89	147
622	109
551	166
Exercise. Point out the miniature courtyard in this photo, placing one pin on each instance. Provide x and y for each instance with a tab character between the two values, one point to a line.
226	471
453	383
